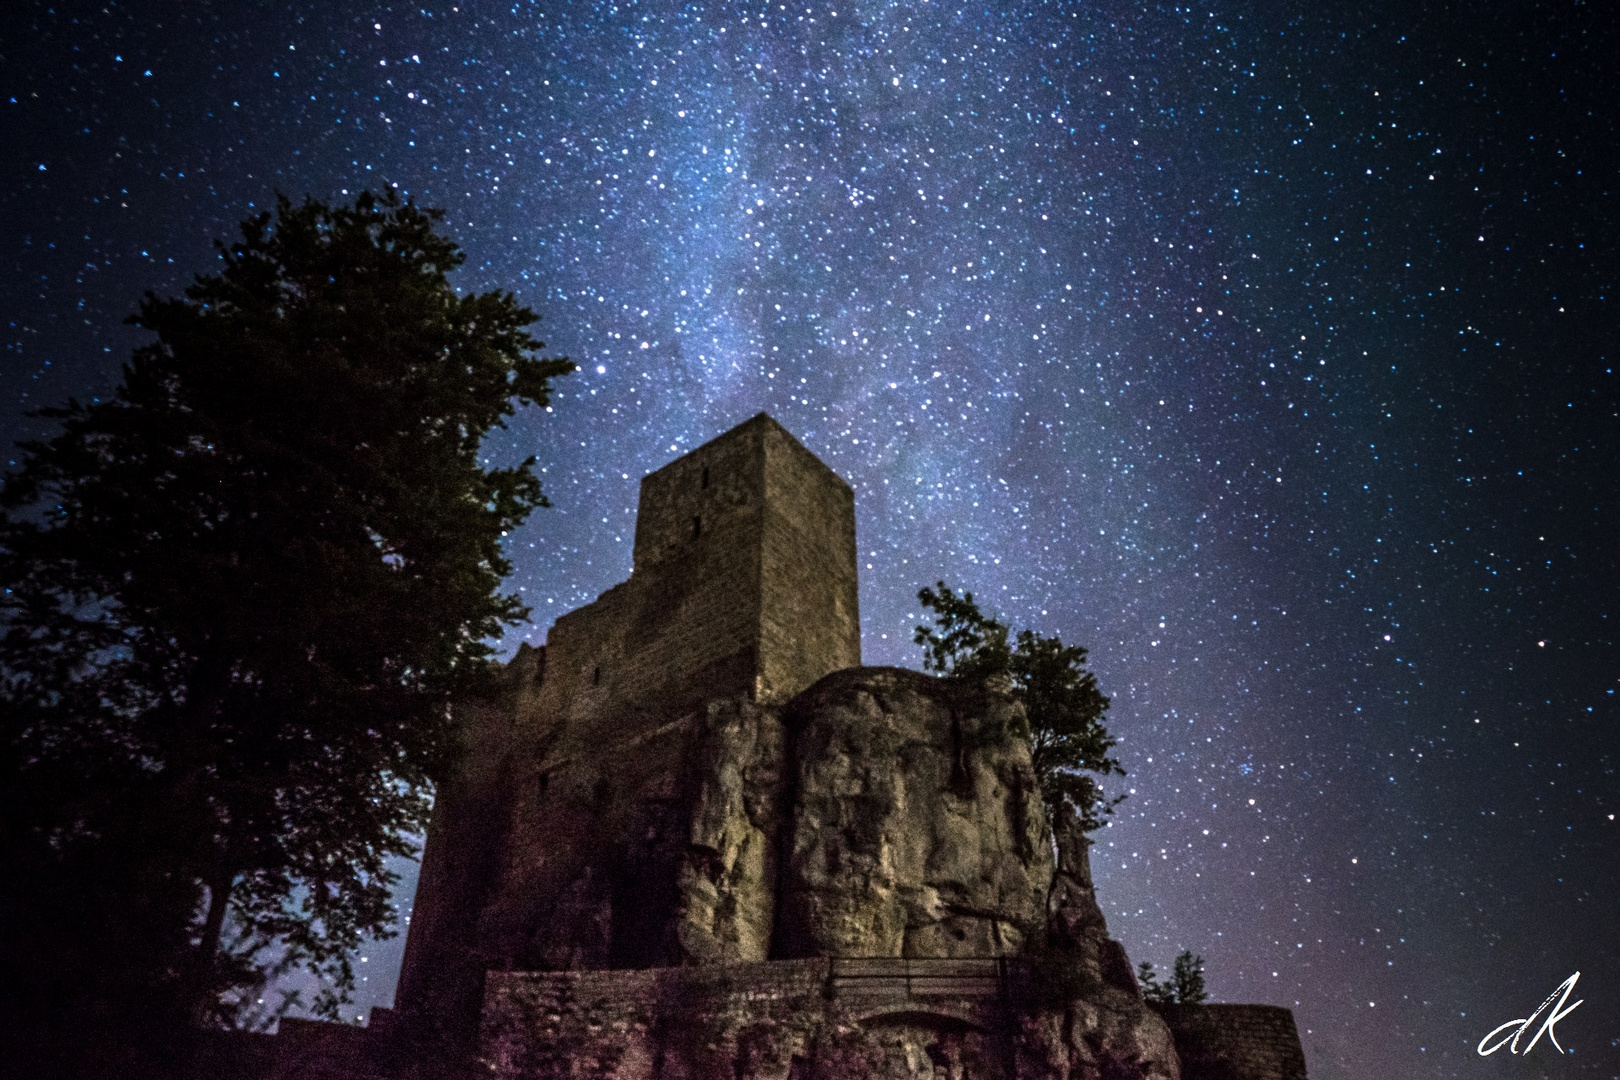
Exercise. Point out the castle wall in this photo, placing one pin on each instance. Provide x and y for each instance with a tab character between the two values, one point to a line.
818	1019
783	1020
744	583
441	979
810	619
685	627
1235	1042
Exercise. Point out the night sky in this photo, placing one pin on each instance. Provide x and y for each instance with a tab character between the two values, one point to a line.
1267	353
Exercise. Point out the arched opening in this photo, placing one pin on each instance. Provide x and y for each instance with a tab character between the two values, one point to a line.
926	1019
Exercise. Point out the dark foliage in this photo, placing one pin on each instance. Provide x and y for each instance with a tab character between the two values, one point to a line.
1060	697
1184	987
238	598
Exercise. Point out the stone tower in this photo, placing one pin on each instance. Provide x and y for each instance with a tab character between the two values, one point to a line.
565	841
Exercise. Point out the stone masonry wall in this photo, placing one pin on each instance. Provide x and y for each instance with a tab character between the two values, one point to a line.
816	1019
810	618
785	1020
685	627
744	583
439	982
593	1025
1235	1042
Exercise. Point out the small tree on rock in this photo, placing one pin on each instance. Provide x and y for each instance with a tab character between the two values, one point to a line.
1060	697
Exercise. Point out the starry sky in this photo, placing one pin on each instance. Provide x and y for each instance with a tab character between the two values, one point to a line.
1265	349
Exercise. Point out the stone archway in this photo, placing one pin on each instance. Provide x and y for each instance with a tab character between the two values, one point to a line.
936	1043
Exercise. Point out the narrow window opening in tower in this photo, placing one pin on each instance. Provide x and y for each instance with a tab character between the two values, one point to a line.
697	526
704	483
596	677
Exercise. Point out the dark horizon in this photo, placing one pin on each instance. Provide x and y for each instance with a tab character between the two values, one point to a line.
1267	355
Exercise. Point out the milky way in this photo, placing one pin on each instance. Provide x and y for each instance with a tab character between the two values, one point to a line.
1266	353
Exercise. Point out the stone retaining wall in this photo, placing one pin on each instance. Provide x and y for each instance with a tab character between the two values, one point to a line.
1235	1042
765	1021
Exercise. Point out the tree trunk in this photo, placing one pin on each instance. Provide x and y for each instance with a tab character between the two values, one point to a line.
192	817
203	983
219	896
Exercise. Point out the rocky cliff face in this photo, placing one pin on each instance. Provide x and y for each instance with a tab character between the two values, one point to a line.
882	813
727	881
916	826
870	888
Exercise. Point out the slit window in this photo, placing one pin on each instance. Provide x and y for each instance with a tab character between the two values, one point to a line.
697	526
596	677
704	481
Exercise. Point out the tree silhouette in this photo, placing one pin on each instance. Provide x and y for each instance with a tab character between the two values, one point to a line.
1060	697
1185	986
239	596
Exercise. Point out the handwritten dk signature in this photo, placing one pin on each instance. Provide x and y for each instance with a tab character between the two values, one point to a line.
1566	988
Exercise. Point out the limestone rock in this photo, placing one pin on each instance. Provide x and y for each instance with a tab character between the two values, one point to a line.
916	827
1073	914
1076	930
727	882
1109	1037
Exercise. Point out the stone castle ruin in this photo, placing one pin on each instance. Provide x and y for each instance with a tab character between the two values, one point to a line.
692	838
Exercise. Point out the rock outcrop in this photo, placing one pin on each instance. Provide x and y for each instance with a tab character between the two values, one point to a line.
727	882
870	889
916	826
